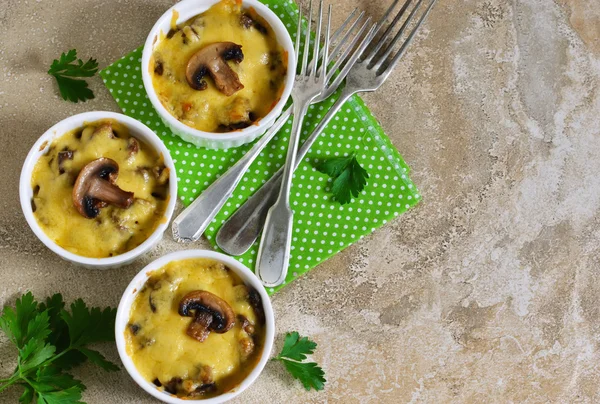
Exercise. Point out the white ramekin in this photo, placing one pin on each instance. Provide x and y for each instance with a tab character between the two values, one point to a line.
185	10
123	314
40	148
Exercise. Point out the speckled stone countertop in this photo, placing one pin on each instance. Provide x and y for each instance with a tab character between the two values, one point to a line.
488	291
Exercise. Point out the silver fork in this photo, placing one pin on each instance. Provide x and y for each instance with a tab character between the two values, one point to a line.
274	250
242	229
193	221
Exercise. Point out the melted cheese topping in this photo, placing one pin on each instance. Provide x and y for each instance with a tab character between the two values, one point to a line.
262	72
114	231
156	338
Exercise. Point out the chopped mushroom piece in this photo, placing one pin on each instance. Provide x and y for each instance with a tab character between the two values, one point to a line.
189	387
144	172
95	188
106	130
203	389
246	325
211	313
236	115
133	146
246	346
159	68
247	21
212	60
256	303
172	33
62	157
134	328
206	374
161	174
171	386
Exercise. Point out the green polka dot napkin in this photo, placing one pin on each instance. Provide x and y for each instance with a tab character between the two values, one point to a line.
322	226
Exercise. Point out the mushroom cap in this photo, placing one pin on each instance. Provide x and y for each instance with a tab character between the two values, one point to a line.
212	59
201	301
95	187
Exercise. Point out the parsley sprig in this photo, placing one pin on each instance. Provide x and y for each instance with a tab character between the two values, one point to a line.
65	68
50	341
294	351
349	178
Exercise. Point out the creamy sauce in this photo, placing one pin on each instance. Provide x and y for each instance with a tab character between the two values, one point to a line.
114	231
262	72
156	335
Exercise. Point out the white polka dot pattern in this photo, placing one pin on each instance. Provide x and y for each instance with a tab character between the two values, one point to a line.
322	226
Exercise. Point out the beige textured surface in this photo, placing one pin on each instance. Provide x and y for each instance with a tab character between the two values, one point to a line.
487	292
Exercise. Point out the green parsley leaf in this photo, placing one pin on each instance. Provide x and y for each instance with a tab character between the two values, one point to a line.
39	326
51	378
335	166
59	336
70	360
15	323
51	340
72	395
295	349
309	373
97	358
349	178
67	67
88	326
27	395
34	354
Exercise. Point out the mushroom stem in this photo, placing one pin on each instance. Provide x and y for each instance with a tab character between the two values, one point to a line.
226	80
105	191
199	327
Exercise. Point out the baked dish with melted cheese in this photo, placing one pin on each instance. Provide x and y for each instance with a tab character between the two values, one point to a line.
195	329
99	192
220	71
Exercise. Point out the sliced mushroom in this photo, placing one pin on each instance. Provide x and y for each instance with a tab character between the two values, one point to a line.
95	188
212	60
210	312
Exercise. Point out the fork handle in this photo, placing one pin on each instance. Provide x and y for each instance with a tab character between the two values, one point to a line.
241	230
273	257
194	220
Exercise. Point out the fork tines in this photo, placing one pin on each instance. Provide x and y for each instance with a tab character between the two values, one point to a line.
313	69
383	56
